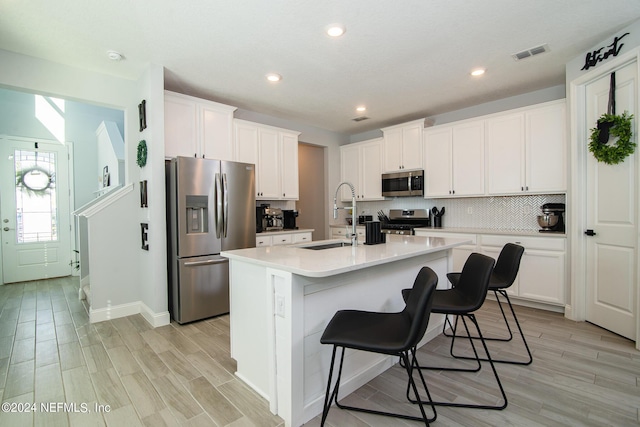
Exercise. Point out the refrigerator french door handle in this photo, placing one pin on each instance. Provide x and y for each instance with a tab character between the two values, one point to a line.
225	202
218	215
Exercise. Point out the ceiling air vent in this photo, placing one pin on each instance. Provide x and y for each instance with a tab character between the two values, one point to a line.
531	52
361	118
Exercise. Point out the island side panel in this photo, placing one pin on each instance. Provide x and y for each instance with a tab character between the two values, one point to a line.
251	331
373	289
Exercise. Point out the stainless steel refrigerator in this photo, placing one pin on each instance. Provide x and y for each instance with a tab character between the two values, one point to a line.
210	208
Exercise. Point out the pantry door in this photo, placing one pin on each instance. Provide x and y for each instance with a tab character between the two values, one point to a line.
612	203
34	207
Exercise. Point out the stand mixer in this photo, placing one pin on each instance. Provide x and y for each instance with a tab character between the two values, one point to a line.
552	218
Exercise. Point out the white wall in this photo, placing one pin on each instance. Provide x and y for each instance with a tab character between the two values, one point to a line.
133	274
17	118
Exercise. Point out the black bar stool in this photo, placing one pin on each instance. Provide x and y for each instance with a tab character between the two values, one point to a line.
463	300
503	276
395	334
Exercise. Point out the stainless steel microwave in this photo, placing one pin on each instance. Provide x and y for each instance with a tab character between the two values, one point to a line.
402	184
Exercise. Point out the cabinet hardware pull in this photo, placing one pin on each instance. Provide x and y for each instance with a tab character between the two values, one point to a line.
590	232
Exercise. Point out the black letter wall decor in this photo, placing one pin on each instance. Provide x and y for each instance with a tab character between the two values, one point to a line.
142	115
596	56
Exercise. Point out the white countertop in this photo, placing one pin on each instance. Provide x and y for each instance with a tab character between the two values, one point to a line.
535	233
286	231
329	262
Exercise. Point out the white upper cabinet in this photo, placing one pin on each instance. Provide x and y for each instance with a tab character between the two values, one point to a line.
197	127
403	146
361	165
274	151
526	150
454	160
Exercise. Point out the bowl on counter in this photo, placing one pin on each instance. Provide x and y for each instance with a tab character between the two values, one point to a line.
547	221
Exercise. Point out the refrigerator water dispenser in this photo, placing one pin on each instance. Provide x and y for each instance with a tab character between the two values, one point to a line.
197	216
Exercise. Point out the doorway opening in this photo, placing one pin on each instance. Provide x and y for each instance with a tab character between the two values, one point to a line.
311	205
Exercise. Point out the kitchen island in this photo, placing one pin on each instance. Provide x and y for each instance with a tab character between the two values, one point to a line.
282	297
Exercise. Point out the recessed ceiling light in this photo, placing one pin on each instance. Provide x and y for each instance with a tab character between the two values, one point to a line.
361	109
478	72
114	56
336	30
273	77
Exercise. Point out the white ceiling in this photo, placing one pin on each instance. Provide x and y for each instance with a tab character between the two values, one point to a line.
402	59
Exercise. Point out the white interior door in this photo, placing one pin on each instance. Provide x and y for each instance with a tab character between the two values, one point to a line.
612	214
34	206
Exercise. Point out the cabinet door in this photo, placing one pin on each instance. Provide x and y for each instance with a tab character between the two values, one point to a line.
289	167
468	159
371	171
412	147
268	185
437	173
542	276
180	127
505	154
350	171
392	150
215	132
546	149
246	143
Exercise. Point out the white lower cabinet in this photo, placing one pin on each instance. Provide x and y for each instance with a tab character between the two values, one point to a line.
542	274
276	239
344	232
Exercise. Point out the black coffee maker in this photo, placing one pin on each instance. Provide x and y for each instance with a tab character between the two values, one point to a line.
289	219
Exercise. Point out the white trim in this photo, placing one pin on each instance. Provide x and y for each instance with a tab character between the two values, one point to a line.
154	319
107	200
129	309
577	215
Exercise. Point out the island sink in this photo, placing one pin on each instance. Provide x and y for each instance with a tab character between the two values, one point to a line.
326	246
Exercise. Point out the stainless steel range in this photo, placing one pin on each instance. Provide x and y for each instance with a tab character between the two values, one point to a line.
403	221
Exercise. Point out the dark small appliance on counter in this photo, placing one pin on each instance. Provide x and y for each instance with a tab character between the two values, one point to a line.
552	218
373	233
362	219
289	219
268	218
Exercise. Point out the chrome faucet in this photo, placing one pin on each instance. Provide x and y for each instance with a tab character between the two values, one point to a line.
354	233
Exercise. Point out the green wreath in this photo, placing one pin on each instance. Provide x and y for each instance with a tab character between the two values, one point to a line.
141	160
616	126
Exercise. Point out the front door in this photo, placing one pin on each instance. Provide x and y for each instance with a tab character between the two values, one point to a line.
34	207
612	214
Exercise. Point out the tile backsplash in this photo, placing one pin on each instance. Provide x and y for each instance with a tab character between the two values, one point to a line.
517	213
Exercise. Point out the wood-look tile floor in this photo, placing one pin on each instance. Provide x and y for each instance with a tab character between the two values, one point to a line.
183	375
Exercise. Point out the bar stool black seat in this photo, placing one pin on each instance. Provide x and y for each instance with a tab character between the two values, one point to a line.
503	276
463	300
395	334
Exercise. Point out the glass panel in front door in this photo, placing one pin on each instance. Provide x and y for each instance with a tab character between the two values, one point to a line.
36	210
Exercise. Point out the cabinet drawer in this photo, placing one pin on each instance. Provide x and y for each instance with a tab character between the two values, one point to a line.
543	243
444	234
282	239
263	241
301	237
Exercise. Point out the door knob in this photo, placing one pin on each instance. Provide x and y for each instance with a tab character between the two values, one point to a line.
590	232
6	229
5	220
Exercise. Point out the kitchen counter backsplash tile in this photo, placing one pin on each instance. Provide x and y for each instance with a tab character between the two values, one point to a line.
517	213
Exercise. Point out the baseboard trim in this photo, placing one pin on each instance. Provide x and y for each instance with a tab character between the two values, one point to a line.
124	310
155	319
